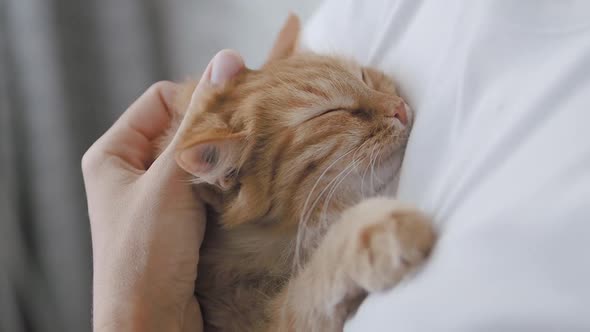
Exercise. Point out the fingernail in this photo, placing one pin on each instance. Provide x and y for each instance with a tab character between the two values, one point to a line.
225	65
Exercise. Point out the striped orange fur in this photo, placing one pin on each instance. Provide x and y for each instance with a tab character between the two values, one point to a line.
281	153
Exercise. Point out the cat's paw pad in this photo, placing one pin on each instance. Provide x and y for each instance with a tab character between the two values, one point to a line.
391	242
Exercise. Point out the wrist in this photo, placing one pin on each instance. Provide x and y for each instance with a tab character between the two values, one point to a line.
125	299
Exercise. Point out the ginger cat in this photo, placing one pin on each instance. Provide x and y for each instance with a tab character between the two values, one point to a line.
293	160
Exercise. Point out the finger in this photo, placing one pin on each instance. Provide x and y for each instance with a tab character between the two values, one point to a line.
224	65
131	137
151	113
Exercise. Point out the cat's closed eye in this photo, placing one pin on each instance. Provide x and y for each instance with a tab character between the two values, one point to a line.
361	113
363	76
325	112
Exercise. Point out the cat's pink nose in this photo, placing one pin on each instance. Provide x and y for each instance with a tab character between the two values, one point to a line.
400	112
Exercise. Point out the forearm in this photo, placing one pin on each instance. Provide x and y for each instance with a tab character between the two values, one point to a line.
137	315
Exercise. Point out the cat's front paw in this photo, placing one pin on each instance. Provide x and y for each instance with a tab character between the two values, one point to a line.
389	240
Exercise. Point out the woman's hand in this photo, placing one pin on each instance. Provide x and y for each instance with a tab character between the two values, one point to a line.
146	223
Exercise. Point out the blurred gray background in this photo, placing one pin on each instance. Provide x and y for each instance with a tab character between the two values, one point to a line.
68	68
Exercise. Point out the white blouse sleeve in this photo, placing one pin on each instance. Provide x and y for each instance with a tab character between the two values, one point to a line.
499	155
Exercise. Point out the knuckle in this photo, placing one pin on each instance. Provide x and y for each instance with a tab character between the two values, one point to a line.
89	161
159	86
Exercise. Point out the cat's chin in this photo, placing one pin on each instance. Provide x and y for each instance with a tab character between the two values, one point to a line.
389	185
389	171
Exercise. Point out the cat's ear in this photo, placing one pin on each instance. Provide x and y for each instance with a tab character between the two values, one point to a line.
286	41
212	156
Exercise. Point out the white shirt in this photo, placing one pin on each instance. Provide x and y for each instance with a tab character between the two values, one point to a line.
499	155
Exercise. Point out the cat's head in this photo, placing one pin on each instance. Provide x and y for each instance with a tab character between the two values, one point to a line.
305	134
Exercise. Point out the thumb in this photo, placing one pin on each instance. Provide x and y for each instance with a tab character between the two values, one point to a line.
224	65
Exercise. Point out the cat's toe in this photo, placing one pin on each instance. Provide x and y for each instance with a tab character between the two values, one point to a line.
415	234
390	246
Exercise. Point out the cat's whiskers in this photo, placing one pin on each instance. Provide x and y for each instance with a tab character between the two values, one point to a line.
332	191
303	229
303	212
303	225
323	216
333	186
330	187
376	161
365	172
303	219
